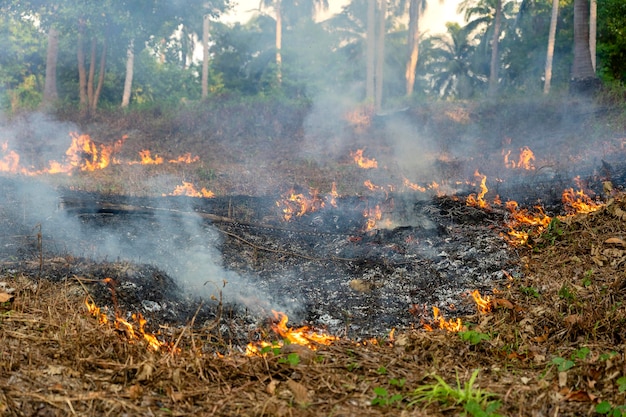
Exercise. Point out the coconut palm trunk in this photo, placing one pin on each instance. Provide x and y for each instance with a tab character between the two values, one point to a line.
550	53
584	78
50	94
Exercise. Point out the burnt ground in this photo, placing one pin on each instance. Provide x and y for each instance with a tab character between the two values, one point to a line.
206	272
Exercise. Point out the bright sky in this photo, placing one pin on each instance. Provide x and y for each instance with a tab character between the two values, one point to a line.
434	19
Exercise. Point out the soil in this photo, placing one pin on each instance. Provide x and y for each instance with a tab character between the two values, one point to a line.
549	342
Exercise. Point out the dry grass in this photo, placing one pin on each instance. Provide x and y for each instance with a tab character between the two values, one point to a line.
56	359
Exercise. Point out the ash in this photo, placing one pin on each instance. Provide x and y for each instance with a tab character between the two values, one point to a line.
228	262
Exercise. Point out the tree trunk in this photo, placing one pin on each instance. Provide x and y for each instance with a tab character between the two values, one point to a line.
371	51
50	94
279	42
82	73
380	55
593	18
92	72
493	70
103	57
205	56
128	81
584	79
550	53
413	44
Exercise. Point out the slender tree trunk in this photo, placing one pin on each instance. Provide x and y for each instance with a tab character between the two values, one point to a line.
92	72
493	70
593	18
130	66
584	78
279	42
96	96
50	93
380	55
413	44
550	53
205	56
371	50
82	73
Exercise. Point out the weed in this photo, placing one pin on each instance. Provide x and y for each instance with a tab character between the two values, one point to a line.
607	409
381	370
292	359
563	364
474	401
397	382
352	366
621	382
530	291
474	337
553	232
587	278
384	398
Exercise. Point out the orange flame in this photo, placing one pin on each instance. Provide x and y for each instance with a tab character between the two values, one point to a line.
525	161
305	335
333	195
373	216
362	161
483	304
147	159
479	200
189	190
450	325
184	159
298	204
576	202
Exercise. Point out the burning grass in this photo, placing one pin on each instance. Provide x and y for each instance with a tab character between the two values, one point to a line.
551	343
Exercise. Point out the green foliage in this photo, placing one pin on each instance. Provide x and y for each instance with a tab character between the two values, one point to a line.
611	40
607	409
292	359
384	398
474	337
553	232
474	400
564	364
530	291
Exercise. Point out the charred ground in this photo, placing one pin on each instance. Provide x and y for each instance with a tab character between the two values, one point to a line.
553	344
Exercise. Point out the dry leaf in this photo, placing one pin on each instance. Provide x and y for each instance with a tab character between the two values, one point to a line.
300	392
271	387
4	297
562	379
615	241
501	302
580	396
145	371
135	391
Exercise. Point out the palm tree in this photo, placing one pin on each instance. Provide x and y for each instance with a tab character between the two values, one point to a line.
583	75
551	40
449	62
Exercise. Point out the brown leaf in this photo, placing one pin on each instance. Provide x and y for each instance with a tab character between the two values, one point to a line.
271	387
572	319
145	371
300	392
615	241
580	396
501	302
4	297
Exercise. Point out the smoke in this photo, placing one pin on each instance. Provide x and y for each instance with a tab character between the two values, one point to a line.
181	244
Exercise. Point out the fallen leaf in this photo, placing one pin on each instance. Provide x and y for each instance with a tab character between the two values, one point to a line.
615	241
271	387
145	372
4	297
580	396
562	379
501	302
299	391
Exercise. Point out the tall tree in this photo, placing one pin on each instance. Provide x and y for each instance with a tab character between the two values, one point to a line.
292	10
416	8
370	58
495	42
583	75
551	41
380	54
50	92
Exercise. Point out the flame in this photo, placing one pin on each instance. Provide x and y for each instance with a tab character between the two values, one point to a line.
86	155
524	218
147	159
297	204
305	336
189	190
184	159
577	202
373	216
479	200
482	303
94	310
362	161
450	325
333	195
525	161
408	184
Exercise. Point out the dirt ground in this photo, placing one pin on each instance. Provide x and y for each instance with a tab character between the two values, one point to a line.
551	340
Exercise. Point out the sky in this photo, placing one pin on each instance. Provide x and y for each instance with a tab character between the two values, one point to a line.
434	19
